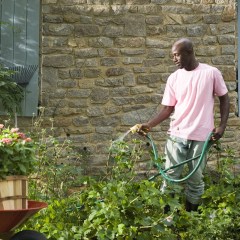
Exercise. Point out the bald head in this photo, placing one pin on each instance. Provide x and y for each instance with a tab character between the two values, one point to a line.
183	54
184	45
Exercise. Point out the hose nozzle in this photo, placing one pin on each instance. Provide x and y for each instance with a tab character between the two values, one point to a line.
136	128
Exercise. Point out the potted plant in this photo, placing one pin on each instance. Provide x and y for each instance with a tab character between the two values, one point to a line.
17	161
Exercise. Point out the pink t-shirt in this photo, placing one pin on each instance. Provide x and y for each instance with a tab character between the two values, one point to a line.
192	93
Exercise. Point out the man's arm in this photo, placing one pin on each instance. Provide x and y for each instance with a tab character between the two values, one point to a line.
224	112
164	113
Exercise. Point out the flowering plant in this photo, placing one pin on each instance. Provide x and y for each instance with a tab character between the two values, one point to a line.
17	152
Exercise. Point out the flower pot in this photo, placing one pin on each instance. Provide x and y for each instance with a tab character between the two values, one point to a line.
13	193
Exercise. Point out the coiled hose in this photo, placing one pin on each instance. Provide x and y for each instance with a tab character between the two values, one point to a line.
164	172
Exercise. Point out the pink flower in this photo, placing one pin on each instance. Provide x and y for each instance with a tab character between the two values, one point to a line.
1	126
6	140
28	139
21	135
13	130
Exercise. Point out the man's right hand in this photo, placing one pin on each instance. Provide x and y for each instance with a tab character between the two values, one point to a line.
144	129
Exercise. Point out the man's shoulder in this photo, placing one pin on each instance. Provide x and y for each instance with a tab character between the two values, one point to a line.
205	66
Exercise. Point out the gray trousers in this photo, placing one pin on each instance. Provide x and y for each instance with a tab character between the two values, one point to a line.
178	150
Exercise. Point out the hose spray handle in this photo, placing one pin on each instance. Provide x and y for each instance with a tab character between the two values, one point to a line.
137	129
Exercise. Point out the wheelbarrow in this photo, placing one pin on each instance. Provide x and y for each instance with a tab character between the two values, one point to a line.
11	219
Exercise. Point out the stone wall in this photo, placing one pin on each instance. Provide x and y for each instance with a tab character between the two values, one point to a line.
105	63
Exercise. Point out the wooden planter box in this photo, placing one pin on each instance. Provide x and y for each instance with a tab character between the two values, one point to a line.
13	193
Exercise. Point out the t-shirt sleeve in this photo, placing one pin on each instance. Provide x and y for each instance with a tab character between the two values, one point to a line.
169	98
220	87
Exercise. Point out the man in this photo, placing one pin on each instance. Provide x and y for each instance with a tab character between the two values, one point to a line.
189	101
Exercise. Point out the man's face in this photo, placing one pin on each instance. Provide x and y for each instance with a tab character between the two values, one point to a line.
180	57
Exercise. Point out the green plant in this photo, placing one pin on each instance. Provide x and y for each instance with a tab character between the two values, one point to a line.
59	168
11	94
220	215
121	205
17	152
118	205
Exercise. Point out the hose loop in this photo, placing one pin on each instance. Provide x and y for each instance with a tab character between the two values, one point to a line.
164	172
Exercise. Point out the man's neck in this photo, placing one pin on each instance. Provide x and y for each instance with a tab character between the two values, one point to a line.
192	66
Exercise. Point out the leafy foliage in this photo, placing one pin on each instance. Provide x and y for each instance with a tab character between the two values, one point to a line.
59	165
17	152
120	205
11	94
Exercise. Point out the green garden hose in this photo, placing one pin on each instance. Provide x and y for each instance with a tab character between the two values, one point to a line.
164	172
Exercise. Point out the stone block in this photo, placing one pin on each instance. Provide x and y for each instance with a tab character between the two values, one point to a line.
135	25
99	95
80	121
155	30
113	31
109	61
149	78
209	40
86	30
94	111
67	83
75	73
158	43
207	51
86	53
105	130
130	42
141	90
190	19
227	39
228	50
177	9
152	62
176	31
105	121
49	77
91	62
79	93
223	60
132	60
154	20
58	29
119	92
138	2
129	80
120	101
92	73
109	82
196	31
212	19
78	104
130	51
101	10
112	109
227	28
229	13
115	72
52	18
58	61
103	42
72	2
143	99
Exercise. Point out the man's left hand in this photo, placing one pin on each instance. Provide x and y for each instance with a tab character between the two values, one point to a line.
217	133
